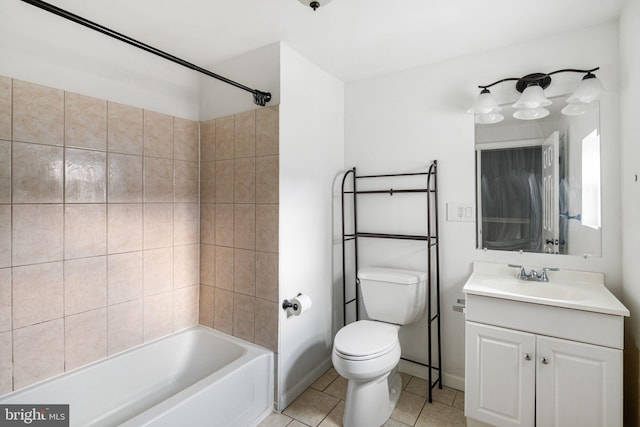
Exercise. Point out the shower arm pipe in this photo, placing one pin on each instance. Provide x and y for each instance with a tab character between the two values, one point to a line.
259	97
536	77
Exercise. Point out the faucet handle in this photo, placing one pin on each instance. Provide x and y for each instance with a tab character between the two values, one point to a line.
543	275
522	274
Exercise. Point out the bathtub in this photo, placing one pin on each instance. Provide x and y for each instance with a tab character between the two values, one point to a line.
197	377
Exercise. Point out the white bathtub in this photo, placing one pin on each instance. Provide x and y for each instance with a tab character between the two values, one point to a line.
197	377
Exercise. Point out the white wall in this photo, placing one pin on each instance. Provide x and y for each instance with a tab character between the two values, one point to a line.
311	154
40	47
630	136
401	121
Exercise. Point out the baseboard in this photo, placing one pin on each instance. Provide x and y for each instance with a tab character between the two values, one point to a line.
288	396
448	380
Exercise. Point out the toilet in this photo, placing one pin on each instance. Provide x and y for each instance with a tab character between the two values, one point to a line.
367	352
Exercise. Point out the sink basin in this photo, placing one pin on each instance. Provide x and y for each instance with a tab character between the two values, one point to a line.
569	289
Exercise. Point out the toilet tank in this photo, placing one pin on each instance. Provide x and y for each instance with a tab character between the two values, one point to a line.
392	295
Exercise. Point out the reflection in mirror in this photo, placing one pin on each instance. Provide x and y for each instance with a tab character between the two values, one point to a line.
538	182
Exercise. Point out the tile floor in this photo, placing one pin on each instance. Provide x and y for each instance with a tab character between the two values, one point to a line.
322	405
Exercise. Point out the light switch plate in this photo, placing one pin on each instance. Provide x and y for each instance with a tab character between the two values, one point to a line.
461	212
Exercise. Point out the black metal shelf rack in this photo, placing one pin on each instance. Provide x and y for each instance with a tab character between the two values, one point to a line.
433	269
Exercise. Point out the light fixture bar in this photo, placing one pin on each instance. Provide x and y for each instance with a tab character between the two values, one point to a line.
535	77
259	97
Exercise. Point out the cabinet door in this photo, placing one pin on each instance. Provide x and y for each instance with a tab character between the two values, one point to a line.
500	375
578	384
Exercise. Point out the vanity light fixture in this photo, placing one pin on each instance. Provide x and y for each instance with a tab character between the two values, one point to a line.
531	104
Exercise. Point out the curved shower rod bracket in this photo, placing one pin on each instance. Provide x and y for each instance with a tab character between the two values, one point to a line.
259	97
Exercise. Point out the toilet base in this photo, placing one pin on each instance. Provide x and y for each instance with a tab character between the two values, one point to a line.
371	403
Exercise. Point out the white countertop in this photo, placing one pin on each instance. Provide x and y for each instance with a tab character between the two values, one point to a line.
566	288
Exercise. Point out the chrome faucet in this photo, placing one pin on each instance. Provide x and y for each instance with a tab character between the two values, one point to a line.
533	275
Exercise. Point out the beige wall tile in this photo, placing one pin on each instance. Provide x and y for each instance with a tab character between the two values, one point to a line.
125	178
158	225
124	326
85	284
6	362
37	293
244	271
37	233
5	299
266	333
244	180
124	129
267	276
208	182
38	113
224	268
158	315
224	181
186	266
244	226
224	224
5	236
224	138
85	176
124	277
158	271
85	122
267	179
267	131
245	134
267	228
244	317
223	310
186	181
85	338
38	352
185	307
124	227
158	135
208	140
207	223
207	265
5	171
158	180
5	108
185	139
85	231
185	223
37	173
205	310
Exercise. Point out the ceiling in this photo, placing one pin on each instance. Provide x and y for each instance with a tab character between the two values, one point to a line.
350	39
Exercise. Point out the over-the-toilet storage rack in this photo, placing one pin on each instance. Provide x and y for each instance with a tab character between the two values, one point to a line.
432	262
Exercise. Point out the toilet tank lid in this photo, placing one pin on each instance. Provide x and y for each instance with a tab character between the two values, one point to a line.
393	275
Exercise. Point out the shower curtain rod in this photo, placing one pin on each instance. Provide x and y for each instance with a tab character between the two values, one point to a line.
259	97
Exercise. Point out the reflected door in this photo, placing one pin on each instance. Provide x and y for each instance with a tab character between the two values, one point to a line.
550	196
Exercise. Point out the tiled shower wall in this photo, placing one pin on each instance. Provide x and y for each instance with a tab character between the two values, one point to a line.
239	188
98	229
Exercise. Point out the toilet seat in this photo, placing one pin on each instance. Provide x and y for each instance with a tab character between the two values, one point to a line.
365	340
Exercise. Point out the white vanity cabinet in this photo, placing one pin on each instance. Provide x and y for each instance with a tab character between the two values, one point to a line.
542	354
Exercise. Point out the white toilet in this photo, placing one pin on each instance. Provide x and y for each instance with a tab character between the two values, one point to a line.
367	352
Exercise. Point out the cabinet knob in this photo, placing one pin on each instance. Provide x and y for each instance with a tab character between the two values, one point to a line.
527	356
544	361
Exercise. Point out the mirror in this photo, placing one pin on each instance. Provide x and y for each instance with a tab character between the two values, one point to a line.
538	182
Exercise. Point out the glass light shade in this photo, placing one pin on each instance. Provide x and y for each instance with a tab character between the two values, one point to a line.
488	119
531	113
574	109
485	103
589	90
532	97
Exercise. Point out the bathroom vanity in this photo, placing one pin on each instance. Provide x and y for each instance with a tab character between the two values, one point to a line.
542	353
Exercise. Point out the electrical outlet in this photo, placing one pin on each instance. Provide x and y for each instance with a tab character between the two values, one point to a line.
460	212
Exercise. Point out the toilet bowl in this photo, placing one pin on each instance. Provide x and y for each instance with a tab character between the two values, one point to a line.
366	353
